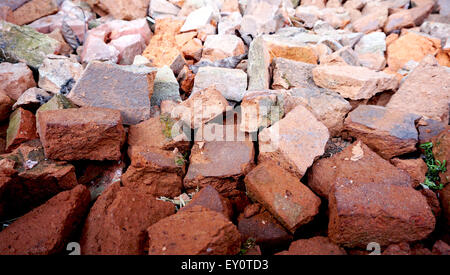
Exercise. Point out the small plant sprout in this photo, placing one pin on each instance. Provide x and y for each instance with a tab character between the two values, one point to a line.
248	244
432	179
179	160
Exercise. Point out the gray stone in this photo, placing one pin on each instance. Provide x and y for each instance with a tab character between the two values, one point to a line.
374	42
197	19
31	97
231	83
345	54
258	62
124	88
425	92
437	29
261	109
290	44
162	8
289	74
328	107
22	43
352	81
350	39
294	142
261	16
166	87
57	71
308	15
331	43
444	7
230	23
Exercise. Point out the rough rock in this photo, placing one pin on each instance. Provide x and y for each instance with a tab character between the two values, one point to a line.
58	71
221	79
318	3
73	14
98	176
128	47
429	128
6	14
24	44
416	168
222	46
263	16
95	48
165	87
219	164
124	88
314	246
204	232
374	42
57	102
230	23
160	132
198	19
441	248
117	41
186	79
22	127
200	107
383	213
154	171
163	49
386	131
291	203
397	249
117	222
34	179
5	106
356	163
411	46
295	141
327	106
441	152
344	55
407	18
209	198
193	49
81	133
289	74
444	7
34	9
418	94
260	109
263	108
353	82
15	79
373	61
308	15
266	231
444	198
65	48
162	8
432	201
120	9
263	49
371	22
436	29
48	228
258	64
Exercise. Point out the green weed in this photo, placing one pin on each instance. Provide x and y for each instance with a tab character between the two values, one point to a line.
432	179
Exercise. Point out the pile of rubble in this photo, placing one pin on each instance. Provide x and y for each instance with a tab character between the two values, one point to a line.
224	126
